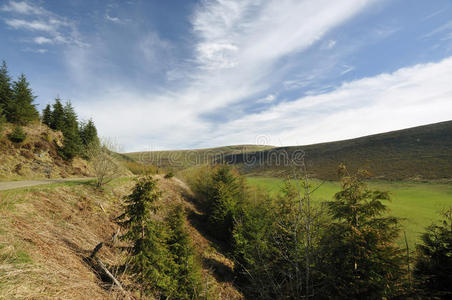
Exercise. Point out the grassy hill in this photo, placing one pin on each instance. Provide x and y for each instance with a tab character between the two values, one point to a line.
182	159
423	152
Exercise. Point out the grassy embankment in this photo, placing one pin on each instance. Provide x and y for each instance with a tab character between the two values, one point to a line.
418	204
48	231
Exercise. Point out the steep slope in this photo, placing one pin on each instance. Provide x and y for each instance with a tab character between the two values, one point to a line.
423	152
37	156
47	233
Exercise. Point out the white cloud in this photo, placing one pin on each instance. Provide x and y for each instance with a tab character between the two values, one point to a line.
268	99
59	29
347	69
22	7
112	19
30	25
42	40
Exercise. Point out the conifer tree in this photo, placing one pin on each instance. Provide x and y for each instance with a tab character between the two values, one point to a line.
433	268
72	142
359	257
6	92
47	115
21	110
149	258
88	134
57	122
225	192
186	270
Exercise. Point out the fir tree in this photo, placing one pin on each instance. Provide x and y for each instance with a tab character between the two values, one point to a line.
225	192
6	92
72	142
57	122
433	268
21	110
359	257
88	134
149	258
47	115
18	135
186	270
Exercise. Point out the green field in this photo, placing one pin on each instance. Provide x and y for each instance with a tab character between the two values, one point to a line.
418	204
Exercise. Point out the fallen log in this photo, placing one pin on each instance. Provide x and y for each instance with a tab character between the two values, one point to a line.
96	260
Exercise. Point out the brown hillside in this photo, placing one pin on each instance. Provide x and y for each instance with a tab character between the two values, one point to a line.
37	156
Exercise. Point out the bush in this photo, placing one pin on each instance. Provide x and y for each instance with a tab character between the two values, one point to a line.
169	175
18	135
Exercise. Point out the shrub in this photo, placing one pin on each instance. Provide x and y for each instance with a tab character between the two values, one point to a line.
169	175
18	135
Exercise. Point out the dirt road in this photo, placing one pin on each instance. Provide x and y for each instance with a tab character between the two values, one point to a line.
10	185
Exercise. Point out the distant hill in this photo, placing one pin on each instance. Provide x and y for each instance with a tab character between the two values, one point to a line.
423	152
182	159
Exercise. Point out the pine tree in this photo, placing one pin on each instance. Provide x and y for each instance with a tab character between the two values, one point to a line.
47	115
18	135
21	110
6	92
57	122
186	270
72	142
88	134
149	257
225	192
359	257
433	268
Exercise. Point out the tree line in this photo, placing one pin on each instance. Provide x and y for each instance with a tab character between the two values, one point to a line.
17	107
287	247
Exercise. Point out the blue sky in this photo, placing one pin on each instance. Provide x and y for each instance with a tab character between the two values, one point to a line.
188	74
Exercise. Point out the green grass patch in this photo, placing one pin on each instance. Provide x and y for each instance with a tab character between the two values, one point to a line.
418	204
14	254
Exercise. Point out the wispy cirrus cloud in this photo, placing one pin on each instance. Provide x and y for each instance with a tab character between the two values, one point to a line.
237	46
36	19
22	7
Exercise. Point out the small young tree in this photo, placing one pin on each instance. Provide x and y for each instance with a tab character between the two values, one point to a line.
359	257
18	135
47	115
104	165
226	190
433	268
21	110
149	258
186	271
